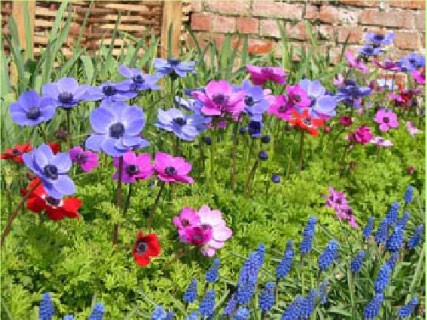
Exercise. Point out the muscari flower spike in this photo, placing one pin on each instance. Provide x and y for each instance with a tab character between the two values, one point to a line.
391	262
395	241
97	312
190	294
323	292
285	264
207	305
392	213
292	312
308	235
382	232
241	314
307	305
383	278
409	194
367	231
408	309
373	308
47	309
267	298
329	255
357	262
404	220
212	273
416	238
231	305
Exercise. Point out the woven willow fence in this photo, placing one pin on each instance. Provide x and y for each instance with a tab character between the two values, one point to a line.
137	18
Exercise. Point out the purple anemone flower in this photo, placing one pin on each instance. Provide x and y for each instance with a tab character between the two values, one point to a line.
135	167
174	67
379	141
137	81
87	160
185	127
412	62
67	92
352	93
110	93
260	75
387	119
116	129
380	39
172	169
255	102
52	170
218	98
370	50
31	109
322	105
356	62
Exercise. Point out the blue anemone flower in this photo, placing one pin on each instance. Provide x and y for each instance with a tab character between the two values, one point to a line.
52	170
185	127
136	80
109	93
173	67
255	102
370	50
116	129
380	39
66	93
322	103
31	109
412	62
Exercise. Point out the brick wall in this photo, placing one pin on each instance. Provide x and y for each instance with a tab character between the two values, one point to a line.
332	21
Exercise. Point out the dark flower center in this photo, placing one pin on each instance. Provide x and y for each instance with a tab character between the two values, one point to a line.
51	171
282	109
306	121
132	169
369	49
170	171
53	201
180	121
81	158
205	227
249	101
109	90
339	201
412	60
386	120
297	98
219	99
138	79
117	130
185	222
379	37
65	97
141	247
173	62
33	113
16	152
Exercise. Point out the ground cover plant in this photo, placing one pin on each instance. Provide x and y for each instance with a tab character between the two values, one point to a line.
141	187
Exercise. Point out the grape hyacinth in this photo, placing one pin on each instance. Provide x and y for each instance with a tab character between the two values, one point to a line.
416	237
193	316
231	305
292	312
392	213
391	262
97	312
308	235
241	314
328	256
46	307
383	278
382	232
307	305
248	278
395	241
212	273
266	298
409	194
357	262
404	220
373	308
190	294
367	231
286	263
207	305
261	254
323	292
408	309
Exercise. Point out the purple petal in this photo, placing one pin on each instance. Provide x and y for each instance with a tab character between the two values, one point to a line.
43	155
109	148
50	90
62	161
64	185
29	99
125	71
67	85
101	119
94	142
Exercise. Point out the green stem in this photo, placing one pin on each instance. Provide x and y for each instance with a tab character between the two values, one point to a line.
125	210
301	150
352	286
154	208
417	273
234	170
249	178
43	132
212	162
118	200
68	113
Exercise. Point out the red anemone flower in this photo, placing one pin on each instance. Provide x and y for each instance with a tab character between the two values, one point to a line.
55	209
55	146
144	248
15	153
306	122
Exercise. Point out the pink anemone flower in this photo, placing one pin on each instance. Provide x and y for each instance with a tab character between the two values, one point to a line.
135	167
87	160
260	75
172	169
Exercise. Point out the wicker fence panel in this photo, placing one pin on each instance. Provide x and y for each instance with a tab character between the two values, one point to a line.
137	18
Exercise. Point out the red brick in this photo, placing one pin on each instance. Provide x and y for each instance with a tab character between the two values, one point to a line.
247	25
277	10
297	31
228	7
349	17
259	46
407	40
223	24
420	4
204	38
392	18
201	22
420	22
269	28
361	3
329	14
196	6
356	34
311	12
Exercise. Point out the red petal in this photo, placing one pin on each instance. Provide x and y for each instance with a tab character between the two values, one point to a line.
55	214
141	260
71	205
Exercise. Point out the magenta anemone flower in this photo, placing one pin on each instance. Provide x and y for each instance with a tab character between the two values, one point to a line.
346	121
87	160
220	232
387	119
260	75
412	129
218	99
135	167
387	64
379	141
363	135
297	96
356	62
419	76
339	80
338	202
187	219
171	169
280	107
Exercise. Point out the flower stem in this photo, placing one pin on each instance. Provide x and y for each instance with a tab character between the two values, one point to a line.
248	180
68	113
212	160
15	213
234	171
301	150
118	200
125	210
154	208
